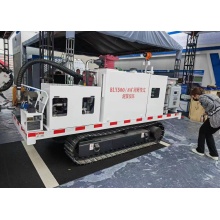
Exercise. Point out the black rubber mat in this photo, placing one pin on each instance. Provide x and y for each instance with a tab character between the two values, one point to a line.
64	170
16	169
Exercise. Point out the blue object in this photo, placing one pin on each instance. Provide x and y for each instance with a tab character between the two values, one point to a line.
30	89
24	105
184	89
216	67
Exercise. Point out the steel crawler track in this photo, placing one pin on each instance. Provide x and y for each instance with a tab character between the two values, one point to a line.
72	142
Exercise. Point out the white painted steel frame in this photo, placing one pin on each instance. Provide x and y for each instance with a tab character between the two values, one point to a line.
41	95
32	137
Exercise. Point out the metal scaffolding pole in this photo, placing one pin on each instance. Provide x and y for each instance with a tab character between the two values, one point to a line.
6	53
189	60
46	46
70	43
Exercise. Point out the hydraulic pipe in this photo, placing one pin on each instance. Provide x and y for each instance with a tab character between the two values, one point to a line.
49	62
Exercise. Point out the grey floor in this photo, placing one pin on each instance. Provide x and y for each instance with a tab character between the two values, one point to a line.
171	167
8	131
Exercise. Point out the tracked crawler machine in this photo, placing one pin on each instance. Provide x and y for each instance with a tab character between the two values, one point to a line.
112	112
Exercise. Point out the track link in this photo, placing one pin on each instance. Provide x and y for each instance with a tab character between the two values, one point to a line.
72	142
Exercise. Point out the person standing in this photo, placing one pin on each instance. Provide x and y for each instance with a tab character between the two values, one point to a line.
78	81
211	104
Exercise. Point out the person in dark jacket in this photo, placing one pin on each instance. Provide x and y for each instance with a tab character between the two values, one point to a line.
211	104
77	80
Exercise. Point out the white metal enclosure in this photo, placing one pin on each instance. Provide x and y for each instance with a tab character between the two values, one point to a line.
74	96
124	94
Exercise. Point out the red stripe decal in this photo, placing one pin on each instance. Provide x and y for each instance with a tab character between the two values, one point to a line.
150	118
127	121
139	119
113	123
176	114
35	134
59	131
80	128
160	116
168	115
98	126
23	130
31	135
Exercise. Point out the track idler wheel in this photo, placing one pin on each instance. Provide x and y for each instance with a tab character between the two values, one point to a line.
96	147
156	133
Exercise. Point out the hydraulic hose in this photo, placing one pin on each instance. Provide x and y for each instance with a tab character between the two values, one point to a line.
51	63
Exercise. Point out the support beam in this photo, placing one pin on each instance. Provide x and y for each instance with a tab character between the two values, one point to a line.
46	46
189	60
